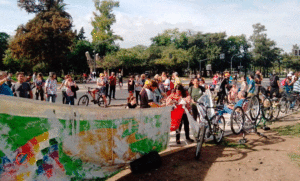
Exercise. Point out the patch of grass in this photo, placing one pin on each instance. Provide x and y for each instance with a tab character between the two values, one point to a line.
293	130
295	157
230	144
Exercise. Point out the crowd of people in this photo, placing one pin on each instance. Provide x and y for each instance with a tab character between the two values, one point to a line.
147	92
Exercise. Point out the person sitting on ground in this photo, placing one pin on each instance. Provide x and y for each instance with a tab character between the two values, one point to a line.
241	96
131	101
232	94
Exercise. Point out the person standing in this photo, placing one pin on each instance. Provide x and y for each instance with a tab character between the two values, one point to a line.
131	84
138	88
34	76
4	88
274	83
39	84
176	79
22	88
70	92
64	89
222	92
195	92
9	80
112	84
258	79
106	77
120	77
251	87
50	86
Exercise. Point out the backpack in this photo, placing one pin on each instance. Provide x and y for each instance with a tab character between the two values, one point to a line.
283	83
273	82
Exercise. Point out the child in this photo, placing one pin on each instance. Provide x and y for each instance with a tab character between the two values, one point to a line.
131	101
233	94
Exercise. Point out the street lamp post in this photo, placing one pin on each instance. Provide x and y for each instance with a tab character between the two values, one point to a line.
231	63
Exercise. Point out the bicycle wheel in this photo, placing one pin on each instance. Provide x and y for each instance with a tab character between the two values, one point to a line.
83	101
276	110
283	102
200	140
237	120
218	128
108	99
254	107
267	109
100	101
297	104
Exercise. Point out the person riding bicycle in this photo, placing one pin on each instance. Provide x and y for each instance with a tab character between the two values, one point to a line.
101	83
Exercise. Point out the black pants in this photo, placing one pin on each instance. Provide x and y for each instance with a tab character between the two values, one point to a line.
64	98
195	111
106	89
221	96
137	95
185	121
112	91
258	89
274	90
39	93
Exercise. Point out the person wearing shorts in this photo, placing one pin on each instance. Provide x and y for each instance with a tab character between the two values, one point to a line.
101	88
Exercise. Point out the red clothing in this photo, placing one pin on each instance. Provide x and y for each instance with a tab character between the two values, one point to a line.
215	80
113	80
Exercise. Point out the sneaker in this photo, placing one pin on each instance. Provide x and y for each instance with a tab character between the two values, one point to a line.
189	140
178	142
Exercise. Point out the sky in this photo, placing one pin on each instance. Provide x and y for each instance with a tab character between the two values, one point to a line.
140	20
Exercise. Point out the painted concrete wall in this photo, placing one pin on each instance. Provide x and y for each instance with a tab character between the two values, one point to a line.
44	141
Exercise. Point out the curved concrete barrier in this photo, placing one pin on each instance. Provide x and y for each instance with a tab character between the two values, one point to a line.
44	141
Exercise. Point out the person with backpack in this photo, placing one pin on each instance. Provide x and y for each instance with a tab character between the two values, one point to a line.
274	83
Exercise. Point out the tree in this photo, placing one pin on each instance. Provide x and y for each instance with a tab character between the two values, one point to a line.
45	39
80	35
3	46
102	34
264	49
77	61
37	6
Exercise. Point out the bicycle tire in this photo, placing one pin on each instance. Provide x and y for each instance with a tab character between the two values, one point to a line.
267	109
276	110
100	101
200	140
254	107
283	102
218	129
297	104
237	118
83	101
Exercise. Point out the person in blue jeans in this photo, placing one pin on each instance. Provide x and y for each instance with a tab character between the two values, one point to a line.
241	96
251	86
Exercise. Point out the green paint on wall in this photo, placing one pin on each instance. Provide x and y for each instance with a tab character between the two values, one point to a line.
23	129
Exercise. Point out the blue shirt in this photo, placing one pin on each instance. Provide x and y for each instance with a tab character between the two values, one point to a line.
5	90
252	85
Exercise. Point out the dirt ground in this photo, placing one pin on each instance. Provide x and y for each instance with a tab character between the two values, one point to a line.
260	159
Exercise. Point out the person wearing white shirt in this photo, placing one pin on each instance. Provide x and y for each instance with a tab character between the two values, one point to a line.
138	88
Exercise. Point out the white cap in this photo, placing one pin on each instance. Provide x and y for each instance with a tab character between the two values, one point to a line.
289	75
291	72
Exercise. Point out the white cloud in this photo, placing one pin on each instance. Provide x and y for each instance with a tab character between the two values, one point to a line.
5	2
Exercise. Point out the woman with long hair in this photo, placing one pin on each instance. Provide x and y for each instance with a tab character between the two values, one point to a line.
174	98
39	84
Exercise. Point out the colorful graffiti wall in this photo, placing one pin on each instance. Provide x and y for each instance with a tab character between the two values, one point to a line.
43	141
